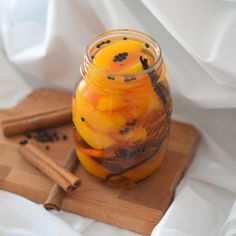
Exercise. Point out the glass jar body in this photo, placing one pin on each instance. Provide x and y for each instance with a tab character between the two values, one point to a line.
121	123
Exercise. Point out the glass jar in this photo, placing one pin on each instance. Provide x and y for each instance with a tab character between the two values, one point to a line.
122	108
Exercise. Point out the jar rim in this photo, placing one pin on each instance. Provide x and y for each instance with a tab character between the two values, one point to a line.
125	32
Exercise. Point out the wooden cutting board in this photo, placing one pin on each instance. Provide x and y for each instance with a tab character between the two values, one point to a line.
138	209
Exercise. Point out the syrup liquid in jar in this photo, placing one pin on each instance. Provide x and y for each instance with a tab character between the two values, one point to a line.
122	108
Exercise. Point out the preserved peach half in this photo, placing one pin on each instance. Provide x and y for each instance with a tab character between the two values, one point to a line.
105	57
98	120
110	103
94	138
92	166
101	121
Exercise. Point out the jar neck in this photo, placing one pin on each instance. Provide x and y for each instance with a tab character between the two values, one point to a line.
109	81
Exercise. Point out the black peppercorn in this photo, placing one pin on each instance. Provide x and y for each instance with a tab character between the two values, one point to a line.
120	56
128	79
23	142
110	78
131	122
64	137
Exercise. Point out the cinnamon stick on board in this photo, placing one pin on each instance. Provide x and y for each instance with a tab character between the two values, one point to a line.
56	194
65	179
36	120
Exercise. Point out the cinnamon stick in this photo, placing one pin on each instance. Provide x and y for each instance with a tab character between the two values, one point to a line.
54	199
36	120
55	196
65	179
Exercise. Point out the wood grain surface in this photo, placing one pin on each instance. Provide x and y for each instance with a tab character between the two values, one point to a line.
138	209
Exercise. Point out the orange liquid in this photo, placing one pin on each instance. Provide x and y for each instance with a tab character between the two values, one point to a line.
121	122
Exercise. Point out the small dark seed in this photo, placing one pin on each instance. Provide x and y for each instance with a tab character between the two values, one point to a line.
111	78
23	142
98	46
92	56
108	41
82	119
125	38
120	57
64	137
124	131
131	122
147	45
47	147
129	79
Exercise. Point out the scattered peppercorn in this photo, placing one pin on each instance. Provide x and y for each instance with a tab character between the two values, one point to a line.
23	142
125	38
102	43
147	45
120	56
124	131
64	137
42	136
128	79
82	119
131	122
141	150
111	78
92	56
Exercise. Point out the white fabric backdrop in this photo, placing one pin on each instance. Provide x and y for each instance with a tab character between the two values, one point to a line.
42	45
